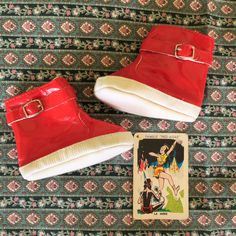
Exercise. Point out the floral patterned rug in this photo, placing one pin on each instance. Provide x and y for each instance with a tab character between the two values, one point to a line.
82	40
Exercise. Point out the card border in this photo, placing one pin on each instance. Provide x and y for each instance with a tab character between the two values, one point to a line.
172	216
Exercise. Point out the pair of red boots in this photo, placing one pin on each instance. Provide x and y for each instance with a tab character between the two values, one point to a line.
167	80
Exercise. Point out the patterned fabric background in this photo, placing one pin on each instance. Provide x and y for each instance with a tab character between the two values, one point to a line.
82	40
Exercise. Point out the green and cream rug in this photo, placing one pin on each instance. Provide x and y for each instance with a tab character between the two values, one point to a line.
81	40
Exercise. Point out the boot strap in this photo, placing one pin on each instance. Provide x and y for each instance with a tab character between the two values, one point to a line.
36	105
182	51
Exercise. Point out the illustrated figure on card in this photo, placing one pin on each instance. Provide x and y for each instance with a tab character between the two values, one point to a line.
160	176
159	170
146	197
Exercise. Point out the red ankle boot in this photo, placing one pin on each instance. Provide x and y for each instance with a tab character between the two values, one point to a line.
166	80
54	136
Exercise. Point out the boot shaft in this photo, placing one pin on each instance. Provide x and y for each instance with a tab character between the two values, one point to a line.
55	136
30	104
174	61
40	116
49	118
166	80
180	59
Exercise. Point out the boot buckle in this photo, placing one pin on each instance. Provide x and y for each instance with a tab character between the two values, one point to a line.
180	47
39	108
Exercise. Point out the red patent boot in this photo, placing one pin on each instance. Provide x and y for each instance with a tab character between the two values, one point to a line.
166	80
54	136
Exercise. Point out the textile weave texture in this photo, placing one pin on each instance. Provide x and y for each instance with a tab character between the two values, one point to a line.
82	40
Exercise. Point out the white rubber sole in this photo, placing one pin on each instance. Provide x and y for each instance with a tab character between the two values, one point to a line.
134	97
79	155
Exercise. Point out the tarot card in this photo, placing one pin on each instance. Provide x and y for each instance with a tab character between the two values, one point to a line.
160	176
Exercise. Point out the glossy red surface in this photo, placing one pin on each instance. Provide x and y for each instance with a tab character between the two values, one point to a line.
53	123
182	79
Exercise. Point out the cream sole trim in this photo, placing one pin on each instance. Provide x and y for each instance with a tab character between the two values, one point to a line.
78	156
137	98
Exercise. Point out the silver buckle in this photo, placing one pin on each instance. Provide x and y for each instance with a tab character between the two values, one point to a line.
177	48
40	105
